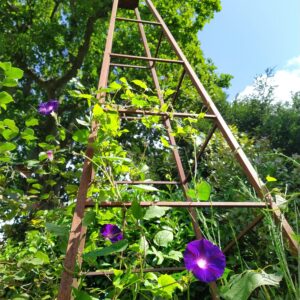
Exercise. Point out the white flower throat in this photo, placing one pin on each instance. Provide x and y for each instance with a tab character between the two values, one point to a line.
202	263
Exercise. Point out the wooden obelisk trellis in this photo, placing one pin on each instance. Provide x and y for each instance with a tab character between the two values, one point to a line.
78	231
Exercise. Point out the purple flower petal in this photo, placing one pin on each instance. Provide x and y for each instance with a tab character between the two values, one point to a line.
46	108
111	232
50	155
205	260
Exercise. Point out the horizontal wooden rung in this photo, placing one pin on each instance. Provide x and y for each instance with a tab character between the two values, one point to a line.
163	114
128	66
183	204
146	270
138	21
125	56
147	182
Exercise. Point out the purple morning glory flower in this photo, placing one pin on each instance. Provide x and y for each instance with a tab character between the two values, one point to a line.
206	261
46	108
111	232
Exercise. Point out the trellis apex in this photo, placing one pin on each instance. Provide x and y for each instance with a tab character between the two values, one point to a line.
128	4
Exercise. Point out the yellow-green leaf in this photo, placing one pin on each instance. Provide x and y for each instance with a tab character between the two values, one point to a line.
270	178
97	111
32	122
165	142
140	83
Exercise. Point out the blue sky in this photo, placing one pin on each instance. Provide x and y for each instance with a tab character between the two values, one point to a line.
248	36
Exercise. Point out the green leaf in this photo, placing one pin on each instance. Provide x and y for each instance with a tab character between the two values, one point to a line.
32	163
78	94
165	142
89	218
145	187
42	256
115	86
164	107
32	122
5	98
8	134
155	212
42	156
159	255
7	147
81	136
139	101
11	130
28	134
116	158
168	284
71	188
35	261
85	96
10	124
179	130
203	190
192	193
124	80
22	296
62	134
226	273
140	83
14	73
169	92
9	82
37	186
201	116
97	111
175	255
137	211
58	230
163	238
143	245
11	74
270	178
81	295
33	191
150	276
44	145
296	237
44	196
242	285
149	121
5	66
51	182
114	248
83	123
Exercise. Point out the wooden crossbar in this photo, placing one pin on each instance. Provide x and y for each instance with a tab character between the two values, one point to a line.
176	204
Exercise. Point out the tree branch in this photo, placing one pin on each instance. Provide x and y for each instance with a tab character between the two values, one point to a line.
76	63
53	85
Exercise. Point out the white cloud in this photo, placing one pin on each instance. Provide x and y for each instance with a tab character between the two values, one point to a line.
286	81
294	62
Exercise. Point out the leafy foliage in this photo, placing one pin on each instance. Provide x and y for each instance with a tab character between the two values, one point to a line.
264	118
243	285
